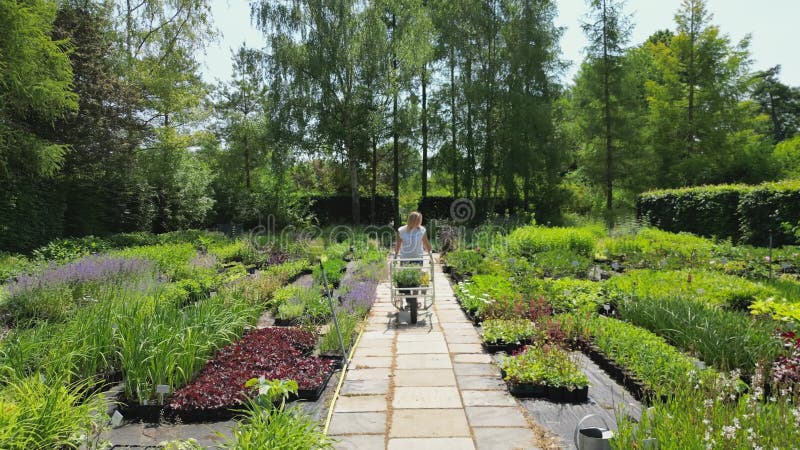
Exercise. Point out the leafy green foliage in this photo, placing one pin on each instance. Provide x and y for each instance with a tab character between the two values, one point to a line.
39	413
710	288
727	340
334	269
544	365
405	278
660	366
507	331
723	416
527	241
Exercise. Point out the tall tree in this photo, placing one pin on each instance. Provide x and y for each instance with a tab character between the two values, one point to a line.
779	101
36	83
316	53
608	31
697	123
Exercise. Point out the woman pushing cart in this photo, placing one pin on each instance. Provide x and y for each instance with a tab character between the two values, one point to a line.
412	260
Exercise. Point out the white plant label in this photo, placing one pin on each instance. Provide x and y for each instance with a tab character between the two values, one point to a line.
116	420
162	389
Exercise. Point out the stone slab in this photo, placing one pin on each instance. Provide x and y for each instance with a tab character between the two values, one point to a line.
473	358
429	423
365	387
425	397
360	442
484	370
431	444
466	348
472	382
358	423
368	374
424	377
505	439
430	361
371	362
495	416
487	398
405	348
361	403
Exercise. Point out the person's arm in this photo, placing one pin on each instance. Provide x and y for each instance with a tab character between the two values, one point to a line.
425	244
397	245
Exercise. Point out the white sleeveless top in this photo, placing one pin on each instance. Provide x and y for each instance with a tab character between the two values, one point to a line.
412	242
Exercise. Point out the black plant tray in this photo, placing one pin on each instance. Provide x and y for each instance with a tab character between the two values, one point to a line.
554	394
474	318
205	415
638	389
135	412
286	322
503	347
336	358
311	395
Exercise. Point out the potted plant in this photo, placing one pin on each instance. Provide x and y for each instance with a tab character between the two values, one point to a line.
411	278
506	334
404	280
545	372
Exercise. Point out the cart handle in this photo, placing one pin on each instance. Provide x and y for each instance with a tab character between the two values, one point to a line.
429	255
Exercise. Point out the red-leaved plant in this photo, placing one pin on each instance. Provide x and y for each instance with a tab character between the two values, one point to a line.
786	369
272	353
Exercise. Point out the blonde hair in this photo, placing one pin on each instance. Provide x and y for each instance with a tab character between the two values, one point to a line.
414	220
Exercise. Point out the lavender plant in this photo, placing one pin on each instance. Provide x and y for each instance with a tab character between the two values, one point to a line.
55	292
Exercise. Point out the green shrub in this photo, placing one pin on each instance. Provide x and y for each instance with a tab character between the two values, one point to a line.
405	278
270	427
567	294
558	263
169	345
464	262
720	418
171	259
530	240
12	265
137	239
63	250
226	252
334	271
656	249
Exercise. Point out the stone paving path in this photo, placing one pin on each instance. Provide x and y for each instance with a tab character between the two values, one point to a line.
426	386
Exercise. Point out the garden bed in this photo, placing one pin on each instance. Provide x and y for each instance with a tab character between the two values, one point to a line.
219	390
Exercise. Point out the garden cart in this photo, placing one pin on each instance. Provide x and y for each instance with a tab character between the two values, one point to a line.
412	286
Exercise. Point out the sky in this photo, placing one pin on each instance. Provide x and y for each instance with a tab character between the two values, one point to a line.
770	23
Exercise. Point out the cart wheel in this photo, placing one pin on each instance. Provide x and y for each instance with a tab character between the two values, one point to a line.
413	306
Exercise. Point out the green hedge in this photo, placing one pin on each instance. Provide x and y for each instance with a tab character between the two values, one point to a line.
743	213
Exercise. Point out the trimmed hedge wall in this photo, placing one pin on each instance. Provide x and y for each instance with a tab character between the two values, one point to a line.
745	214
439	208
337	209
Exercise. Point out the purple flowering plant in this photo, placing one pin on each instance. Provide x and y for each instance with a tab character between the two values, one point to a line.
52	291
